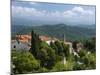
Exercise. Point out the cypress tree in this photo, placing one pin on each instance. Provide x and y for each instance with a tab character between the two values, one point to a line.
35	43
59	48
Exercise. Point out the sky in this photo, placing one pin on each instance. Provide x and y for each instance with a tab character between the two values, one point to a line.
40	13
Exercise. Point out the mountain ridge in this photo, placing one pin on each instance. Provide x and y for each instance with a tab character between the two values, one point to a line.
57	30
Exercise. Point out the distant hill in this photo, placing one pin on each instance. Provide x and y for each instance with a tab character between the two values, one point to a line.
88	26
58	30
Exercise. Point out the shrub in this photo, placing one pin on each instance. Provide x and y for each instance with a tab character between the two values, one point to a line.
24	62
59	67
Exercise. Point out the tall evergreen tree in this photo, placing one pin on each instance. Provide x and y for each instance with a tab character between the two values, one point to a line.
35	43
59	48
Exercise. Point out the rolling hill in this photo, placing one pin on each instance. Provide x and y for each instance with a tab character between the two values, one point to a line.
58	30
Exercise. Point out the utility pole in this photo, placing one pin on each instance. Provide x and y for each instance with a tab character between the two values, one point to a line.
64	38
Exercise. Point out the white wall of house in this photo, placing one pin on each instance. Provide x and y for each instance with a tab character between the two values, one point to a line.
48	42
19	46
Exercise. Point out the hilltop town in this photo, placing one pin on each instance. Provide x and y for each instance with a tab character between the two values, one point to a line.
23	42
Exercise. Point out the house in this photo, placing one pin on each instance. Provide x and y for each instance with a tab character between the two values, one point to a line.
24	42
19	45
48	39
77	46
23	38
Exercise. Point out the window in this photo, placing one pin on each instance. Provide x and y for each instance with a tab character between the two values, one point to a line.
14	46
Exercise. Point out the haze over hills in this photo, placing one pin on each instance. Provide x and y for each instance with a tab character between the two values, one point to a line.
58	30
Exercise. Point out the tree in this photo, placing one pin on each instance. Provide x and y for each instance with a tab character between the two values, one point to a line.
74	45
70	62
59	66
48	59
24	62
90	61
59	50
65	49
90	44
53	46
82	53
78	66
35	44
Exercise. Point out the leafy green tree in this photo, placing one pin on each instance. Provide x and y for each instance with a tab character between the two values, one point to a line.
59	58
65	49
46	55
59	66
42	54
90	44
49	59
90	61
70	62
78	66
24	62
53	46
82	53
74	45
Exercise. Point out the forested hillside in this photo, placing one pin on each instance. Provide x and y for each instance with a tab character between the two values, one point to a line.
58	30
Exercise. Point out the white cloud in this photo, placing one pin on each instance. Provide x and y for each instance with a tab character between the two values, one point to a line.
72	15
25	11
33	3
68	13
81	11
78	9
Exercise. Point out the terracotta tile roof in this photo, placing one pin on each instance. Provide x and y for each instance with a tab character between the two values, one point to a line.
27	38
44	38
